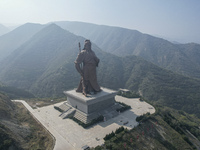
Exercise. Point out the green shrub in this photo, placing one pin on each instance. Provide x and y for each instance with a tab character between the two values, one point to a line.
143	117
120	129
109	136
129	94
123	108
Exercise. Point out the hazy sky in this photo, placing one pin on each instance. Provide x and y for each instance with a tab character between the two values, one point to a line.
174	19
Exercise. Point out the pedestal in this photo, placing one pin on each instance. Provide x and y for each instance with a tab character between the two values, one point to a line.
93	103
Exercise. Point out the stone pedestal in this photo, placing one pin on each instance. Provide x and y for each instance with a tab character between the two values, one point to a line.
93	103
88	108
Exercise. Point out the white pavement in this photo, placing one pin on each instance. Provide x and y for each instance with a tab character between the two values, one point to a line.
70	136
60	143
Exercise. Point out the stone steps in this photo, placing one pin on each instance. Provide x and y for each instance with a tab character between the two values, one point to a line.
65	107
82	117
68	113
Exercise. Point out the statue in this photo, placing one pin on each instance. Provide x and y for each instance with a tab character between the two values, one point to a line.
86	64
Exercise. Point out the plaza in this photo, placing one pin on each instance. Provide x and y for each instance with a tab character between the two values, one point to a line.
71	136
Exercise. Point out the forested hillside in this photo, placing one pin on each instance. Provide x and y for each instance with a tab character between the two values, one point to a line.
180	58
18	130
15	93
6	106
163	86
7	112
167	129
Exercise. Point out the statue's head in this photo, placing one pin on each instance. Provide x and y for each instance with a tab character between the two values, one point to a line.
87	45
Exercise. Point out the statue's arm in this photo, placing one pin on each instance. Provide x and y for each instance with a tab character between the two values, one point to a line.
78	61
78	68
97	60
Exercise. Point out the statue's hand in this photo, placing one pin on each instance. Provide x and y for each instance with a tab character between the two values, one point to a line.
81	73
97	64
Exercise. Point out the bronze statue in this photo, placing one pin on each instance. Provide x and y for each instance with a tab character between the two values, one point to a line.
89	61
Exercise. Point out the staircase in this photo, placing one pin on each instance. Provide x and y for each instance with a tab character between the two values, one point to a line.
68	113
84	117
65	107
81	116
67	110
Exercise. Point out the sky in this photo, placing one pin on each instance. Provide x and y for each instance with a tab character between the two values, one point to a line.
175	20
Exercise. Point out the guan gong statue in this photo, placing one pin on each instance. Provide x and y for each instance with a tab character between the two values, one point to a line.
86	63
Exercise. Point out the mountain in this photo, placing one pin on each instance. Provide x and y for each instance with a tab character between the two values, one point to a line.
124	42
3	30
8	139
6	106
163	86
15	93
39	59
6	112
12	40
7	93
18	129
44	65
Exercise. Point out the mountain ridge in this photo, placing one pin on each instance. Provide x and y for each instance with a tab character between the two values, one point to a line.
12	40
38	56
124	42
3	30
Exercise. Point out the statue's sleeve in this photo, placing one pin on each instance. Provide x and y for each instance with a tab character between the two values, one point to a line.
96	59
79	58
78	61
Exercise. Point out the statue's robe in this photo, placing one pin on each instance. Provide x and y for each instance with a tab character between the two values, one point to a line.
89	62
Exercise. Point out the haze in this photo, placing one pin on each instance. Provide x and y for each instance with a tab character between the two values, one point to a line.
173	20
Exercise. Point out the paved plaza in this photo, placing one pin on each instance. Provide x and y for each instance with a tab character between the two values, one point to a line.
70	136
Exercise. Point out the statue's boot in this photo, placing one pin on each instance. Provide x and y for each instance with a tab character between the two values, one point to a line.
85	94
